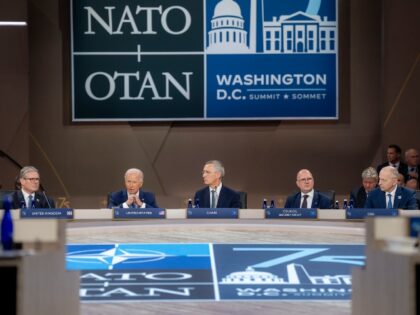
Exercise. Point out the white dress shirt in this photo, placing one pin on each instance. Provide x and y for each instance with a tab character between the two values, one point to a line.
309	199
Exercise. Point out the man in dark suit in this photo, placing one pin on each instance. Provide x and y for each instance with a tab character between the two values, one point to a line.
307	197
29	195
216	195
369	182
412	160
132	196
393	154
389	194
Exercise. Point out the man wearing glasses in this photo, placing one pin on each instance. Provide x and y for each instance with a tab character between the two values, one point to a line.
307	197
29	195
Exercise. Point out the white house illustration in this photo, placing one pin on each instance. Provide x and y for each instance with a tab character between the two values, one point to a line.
300	33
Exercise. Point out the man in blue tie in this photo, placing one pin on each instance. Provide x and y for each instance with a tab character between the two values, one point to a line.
216	194
29	196
389	194
132	196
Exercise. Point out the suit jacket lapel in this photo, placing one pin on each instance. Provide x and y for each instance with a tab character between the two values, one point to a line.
398	196
20	198
315	200
221	200
297	200
141	196
383	200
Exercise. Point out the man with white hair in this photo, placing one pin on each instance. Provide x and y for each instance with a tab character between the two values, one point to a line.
132	196
389	194
216	195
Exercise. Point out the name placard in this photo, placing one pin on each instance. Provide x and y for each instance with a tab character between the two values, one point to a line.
46	213
139	213
356	213
287	213
212	213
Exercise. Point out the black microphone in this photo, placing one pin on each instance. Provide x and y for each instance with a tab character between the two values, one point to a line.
46	198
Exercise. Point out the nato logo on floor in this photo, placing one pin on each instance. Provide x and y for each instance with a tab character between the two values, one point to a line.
120	272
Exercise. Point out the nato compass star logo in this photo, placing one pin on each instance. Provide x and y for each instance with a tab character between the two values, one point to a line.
109	258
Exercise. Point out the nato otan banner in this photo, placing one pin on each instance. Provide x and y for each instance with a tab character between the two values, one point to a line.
156	60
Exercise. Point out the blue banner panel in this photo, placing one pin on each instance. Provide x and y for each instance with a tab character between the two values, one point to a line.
297	272
136	60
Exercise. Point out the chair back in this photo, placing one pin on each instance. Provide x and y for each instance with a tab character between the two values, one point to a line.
243	199
330	194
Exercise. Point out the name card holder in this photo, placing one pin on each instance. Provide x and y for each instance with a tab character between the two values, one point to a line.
212	213
361	213
287	213
47	213
138	213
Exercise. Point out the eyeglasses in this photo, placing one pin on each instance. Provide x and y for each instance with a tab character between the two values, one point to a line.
305	179
32	179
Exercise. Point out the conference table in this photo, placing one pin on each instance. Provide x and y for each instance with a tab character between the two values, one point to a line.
98	226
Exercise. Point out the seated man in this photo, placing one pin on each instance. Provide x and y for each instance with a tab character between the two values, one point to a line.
132	196
307	197
393	155
369	183
412	160
412	184
216	195
29	196
389	194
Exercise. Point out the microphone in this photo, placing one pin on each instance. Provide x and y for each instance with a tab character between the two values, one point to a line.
46	198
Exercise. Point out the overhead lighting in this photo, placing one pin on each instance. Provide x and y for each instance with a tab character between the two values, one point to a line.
12	23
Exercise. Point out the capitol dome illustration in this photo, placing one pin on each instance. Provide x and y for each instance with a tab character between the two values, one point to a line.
250	276
229	7
227	34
